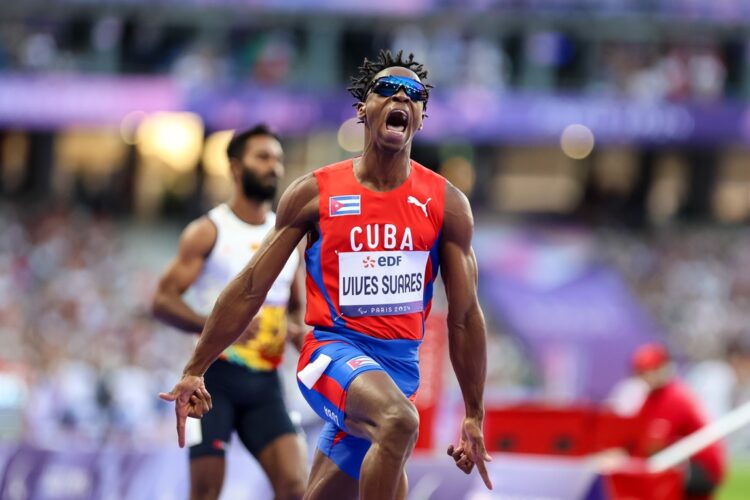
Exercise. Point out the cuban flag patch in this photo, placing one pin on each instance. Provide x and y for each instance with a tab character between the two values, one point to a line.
348	204
355	363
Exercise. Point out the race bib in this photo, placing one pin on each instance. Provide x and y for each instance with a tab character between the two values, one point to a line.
381	283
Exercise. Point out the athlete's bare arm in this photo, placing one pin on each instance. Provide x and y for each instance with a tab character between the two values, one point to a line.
196	243
295	311
467	336
243	297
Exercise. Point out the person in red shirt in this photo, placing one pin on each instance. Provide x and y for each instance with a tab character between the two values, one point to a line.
670	413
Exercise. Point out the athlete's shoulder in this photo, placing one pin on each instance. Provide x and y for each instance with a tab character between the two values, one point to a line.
199	237
455	197
299	203
458	220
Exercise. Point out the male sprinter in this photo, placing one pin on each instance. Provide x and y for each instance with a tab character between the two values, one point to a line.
247	394
378	228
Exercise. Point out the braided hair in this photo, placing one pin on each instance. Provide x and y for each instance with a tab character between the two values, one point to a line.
361	81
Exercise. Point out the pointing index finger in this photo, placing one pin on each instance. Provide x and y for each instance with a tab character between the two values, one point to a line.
482	468
181	429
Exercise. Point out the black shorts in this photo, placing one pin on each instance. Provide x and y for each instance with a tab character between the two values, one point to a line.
244	400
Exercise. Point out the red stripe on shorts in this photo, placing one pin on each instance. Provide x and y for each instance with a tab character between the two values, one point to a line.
331	390
339	436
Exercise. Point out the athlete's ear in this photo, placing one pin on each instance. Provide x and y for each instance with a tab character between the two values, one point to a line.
361	111
235	170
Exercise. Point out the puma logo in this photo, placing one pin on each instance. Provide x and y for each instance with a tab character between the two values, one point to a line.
412	200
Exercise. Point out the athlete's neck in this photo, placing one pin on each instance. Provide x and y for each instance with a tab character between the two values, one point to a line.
249	210
381	170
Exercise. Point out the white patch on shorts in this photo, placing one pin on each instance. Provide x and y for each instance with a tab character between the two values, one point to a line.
312	372
193	432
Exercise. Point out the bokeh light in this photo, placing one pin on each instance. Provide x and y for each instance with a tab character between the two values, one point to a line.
351	136
215	159
13	157
98	151
577	141
731	202
174	138
460	173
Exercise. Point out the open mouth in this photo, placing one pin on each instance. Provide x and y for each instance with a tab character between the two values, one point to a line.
397	120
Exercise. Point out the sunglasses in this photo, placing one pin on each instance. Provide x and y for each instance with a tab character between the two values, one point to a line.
387	86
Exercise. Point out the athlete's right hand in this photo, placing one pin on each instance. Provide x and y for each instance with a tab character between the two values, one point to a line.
191	400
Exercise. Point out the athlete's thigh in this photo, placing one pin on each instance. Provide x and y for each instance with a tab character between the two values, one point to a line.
206	477
325	374
327	481
284	462
263	417
369	397
269	434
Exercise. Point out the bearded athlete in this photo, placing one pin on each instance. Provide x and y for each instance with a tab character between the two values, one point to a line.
244	382
378	228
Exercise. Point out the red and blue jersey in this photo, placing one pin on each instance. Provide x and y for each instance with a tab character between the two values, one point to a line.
370	275
372	267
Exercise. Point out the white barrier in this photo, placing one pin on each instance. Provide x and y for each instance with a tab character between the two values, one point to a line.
695	442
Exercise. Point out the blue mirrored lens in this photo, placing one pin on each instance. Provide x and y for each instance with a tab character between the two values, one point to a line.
390	85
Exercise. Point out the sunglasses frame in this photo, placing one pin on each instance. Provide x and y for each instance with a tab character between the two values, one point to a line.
411	87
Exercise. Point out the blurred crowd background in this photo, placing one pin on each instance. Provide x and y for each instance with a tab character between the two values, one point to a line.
625	123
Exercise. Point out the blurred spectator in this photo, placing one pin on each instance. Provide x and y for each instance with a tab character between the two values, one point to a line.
199	66
649	68
274	58
738	356
627	396
671	412
713	381
694	280
646	72
74	318
447	52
